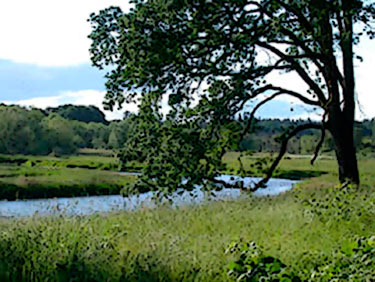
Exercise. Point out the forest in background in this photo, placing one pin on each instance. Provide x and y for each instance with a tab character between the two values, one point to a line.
66	129
58	131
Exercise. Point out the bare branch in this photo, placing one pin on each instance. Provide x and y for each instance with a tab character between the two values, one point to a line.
294	94
319	146
280	91
250	120
236	185
285	139
302	73
302	19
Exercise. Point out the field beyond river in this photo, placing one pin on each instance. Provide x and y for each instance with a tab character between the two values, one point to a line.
95	172
315	232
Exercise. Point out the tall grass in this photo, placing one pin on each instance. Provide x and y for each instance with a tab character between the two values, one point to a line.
175	244
44	176
21	182
311	228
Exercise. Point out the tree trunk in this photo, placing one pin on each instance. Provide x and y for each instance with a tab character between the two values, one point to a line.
342	133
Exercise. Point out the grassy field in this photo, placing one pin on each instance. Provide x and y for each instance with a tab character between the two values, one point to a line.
291	167
318	232
45	177
94	160
92	173
189	243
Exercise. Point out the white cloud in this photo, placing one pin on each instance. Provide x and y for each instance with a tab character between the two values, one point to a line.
83	97
49	33
39	102
54	33
365	72
308	115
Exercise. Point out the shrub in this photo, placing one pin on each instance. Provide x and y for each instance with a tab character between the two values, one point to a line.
252	264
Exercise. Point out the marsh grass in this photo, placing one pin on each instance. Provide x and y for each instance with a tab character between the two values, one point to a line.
30	177
93	160
81	175
169	244
188	243
19	182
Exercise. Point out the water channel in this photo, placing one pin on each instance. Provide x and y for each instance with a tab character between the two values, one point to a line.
94	204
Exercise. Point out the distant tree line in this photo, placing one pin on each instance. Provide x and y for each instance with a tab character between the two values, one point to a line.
79	113
60	131
65	129
264	137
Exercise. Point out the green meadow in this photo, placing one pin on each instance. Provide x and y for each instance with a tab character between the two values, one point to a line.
184	117
31	177
315	232
95	172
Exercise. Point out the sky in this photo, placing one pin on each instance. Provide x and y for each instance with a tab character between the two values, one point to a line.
44	60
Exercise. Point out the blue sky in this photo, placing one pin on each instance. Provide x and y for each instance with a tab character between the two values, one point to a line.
19	81
44	60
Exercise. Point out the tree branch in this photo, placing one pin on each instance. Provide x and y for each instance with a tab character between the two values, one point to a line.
286	137
302	73
319	146
280	91
302	19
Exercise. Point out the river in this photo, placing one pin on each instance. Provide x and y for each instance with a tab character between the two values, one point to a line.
94	204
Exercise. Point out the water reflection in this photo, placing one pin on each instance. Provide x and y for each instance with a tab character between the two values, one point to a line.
93	204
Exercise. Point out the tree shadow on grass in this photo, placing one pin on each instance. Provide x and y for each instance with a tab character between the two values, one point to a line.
18	266
299	174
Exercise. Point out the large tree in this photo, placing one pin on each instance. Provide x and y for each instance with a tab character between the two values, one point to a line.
207	58
80	113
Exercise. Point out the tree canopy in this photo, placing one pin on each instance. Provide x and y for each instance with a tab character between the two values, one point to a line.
32	131
81	113
209	59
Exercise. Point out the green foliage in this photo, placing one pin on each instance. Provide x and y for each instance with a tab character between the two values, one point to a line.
21	131
80	113
188	243
340	204
253	265
353	261
60	135
47	177
31	132
203	59
179	154
113	140
40	134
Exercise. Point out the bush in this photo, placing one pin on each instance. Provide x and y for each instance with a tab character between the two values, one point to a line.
252	264
353	261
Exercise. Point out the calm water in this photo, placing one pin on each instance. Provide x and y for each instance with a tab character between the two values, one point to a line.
93	204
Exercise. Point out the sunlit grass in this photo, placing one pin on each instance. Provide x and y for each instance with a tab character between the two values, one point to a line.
86	170
43	182
186	243
166	243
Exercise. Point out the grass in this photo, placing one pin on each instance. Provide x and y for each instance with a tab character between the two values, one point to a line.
89	161
96	152
91	173
22	182
291	167
166	244
187	243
